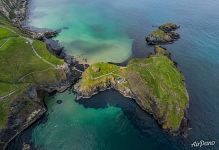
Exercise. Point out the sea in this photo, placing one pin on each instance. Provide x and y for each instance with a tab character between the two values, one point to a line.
114	31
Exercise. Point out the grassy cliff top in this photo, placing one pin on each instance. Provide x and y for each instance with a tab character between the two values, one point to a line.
155	81
101	73
159	77
23	62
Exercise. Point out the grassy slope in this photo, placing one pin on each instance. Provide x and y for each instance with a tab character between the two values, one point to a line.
162	79
20	67
155	76
105	74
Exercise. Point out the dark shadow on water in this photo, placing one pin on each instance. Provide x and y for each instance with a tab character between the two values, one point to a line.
140	119
25	137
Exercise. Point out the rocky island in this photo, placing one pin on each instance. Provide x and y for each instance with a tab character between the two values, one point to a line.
154	83
165	34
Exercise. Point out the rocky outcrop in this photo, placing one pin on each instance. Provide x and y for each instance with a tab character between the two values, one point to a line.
163	35
161	50
25	109
168	27
110	83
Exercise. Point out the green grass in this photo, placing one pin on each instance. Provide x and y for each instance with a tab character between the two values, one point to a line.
159	33
20	67
4	111
99	74
18	59
165	82
104	68
6	33
6	88
42	51
156	76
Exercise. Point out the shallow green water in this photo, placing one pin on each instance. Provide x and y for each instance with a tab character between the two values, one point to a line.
88	31
71	126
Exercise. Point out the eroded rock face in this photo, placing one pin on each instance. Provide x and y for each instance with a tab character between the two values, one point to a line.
168	27
14	10
109	83
24	110
161	50
163	35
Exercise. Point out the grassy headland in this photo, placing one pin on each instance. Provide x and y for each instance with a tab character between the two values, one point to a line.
155	82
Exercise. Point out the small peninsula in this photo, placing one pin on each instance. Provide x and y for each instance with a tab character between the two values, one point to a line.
165	34
154	83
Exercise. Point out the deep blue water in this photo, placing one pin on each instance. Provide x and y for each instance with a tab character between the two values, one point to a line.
197	55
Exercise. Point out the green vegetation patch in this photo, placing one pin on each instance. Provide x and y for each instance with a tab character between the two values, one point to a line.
43	51
165	84
157	83
101	74
159	34
5	33
6	88
22	67
4	112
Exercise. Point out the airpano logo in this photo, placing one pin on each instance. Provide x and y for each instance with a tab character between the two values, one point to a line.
202	143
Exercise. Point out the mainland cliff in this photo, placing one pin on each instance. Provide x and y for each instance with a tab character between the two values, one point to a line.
29	69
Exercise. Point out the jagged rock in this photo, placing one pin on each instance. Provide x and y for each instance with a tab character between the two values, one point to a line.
26	146
168	27
14	10
161	50
32	93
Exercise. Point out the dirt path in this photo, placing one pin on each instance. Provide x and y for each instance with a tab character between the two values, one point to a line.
4	43
30	41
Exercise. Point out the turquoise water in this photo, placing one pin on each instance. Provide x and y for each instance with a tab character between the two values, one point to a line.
88	31
72	126
109	121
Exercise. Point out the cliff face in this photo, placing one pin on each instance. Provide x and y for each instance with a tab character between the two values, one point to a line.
13	9
100	77
31	71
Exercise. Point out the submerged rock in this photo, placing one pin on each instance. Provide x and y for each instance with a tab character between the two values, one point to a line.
59	101
163	35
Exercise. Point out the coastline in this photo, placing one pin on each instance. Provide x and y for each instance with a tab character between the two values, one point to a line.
73	70
74	66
